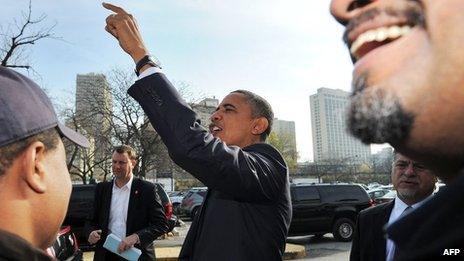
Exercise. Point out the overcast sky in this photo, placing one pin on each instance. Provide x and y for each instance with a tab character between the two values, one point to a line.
283	50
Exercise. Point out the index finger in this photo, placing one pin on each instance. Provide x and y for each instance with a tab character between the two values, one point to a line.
114	8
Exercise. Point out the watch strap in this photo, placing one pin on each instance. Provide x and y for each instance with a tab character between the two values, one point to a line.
147	59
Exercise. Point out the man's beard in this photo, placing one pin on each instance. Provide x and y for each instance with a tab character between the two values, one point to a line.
406	194
376	116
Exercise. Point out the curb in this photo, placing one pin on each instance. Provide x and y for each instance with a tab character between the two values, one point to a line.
167	253
293	251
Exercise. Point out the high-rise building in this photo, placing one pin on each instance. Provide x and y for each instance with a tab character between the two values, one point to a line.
93	113
331	141
286	131
93	99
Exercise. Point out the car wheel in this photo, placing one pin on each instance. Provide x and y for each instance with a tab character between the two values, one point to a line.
195	211
343	229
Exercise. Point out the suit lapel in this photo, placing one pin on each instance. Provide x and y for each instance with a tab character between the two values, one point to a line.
108	193
380	222
131	209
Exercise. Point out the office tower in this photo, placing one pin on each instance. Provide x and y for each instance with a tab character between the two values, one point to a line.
93	114
285	130
331	141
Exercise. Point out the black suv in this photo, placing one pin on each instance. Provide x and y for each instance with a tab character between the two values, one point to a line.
327	208
81	205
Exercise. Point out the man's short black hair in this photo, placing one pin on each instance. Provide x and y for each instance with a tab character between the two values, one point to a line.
259	108
11	151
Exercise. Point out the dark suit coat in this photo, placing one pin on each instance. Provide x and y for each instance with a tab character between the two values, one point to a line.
145	216
369	239
437	225
247	210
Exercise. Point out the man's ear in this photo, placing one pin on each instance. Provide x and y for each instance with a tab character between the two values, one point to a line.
34	166
134	162
260	125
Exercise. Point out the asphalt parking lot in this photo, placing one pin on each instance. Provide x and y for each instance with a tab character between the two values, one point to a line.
325	248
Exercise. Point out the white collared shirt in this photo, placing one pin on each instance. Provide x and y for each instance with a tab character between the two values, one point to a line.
118	210
397	210
149	71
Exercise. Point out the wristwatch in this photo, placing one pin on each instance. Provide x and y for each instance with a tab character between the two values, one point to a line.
147	59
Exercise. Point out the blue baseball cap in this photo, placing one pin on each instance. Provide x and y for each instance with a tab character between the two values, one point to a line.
25	110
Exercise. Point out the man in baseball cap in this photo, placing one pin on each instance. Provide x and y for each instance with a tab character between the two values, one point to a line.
35	184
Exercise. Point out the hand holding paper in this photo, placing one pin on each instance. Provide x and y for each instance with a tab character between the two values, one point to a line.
112	243
128	242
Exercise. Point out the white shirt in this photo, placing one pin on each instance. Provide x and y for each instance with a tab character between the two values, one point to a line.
397	210
149	71
118	210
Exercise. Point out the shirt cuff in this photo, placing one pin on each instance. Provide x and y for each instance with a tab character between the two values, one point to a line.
149	71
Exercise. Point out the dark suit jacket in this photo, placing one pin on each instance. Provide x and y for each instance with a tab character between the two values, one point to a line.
435	226
369	240
145	216
247	210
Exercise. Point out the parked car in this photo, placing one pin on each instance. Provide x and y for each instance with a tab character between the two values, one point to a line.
168	209
176	199
373	185
327	208
377	193
386	198
364	186
65	246
389	187
192	201
81	205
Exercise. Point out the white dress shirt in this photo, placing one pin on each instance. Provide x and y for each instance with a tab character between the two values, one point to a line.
118	210
397	210
149	71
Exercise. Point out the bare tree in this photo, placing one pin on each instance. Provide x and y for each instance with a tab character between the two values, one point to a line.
111	117
282	143
129	125
22	33
86	164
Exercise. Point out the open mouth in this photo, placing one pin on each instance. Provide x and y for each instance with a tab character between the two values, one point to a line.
214	129
380	27
375	38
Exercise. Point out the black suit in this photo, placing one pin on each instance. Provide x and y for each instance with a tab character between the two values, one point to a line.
247	210
145	216
369	240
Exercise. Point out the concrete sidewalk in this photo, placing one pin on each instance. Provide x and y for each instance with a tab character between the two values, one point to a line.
171	253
